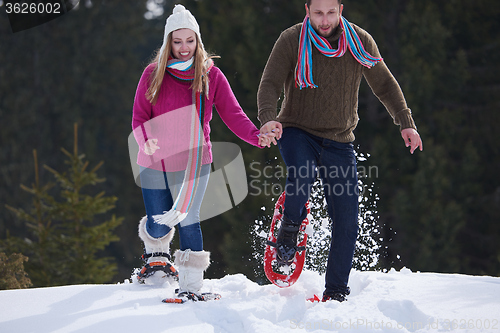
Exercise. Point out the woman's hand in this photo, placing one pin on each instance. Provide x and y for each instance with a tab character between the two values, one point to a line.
265	140
150	146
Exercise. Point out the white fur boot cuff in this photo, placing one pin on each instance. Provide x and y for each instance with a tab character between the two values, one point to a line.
154	245
191	266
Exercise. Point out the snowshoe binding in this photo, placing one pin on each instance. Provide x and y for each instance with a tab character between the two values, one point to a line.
335	296
163	268
286	243
185	296
284	256
339	297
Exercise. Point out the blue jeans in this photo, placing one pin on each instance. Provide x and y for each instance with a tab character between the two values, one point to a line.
306	156
157	188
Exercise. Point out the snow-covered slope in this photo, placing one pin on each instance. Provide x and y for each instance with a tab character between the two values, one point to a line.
379	302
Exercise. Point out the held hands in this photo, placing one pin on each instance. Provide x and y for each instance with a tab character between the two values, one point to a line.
412	139
150	146
266	139
269	133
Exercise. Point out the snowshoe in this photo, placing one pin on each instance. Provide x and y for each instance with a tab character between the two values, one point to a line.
313	299
337	296
283	263
185	296
149	269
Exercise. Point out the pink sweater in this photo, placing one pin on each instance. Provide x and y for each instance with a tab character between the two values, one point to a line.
168	120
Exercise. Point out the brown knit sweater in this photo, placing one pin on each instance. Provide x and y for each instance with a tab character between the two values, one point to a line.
329	111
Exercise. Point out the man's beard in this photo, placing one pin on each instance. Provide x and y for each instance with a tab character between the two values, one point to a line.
318	31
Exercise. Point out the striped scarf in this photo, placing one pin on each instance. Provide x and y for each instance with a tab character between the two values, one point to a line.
348	39
183	71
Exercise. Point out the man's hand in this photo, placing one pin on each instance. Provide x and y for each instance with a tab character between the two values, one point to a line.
265	140
412	139
273	130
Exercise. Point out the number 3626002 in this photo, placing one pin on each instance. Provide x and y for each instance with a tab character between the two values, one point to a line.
33	8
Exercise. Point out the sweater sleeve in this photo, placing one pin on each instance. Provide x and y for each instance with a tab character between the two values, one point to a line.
231	112
277	69
142	110
386	88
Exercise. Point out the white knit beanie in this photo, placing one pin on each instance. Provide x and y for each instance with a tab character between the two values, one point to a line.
181	18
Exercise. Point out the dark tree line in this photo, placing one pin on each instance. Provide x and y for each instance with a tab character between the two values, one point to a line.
438	209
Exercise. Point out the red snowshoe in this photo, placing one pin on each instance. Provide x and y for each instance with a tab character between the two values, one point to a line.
283	275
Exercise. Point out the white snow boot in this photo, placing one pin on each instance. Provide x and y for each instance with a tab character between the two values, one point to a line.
156	255
191	265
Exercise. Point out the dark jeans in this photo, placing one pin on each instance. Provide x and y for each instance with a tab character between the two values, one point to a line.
306	156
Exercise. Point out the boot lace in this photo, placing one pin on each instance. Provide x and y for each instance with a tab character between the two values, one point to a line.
184	256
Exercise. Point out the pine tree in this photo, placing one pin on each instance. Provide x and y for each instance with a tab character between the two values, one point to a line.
65	236
12	274
82	67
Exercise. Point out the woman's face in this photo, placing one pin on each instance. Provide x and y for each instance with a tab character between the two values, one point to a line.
183	44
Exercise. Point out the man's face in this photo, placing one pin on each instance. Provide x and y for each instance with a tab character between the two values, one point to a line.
324	16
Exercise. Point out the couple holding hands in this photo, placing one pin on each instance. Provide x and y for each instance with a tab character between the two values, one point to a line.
177	92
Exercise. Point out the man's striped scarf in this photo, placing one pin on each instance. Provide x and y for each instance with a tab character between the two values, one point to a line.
348	39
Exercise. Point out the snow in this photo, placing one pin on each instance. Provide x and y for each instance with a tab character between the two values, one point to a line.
401	301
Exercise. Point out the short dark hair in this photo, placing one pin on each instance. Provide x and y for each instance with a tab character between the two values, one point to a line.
308	2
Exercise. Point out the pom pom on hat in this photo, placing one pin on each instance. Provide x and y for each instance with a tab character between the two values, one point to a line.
178	9
181	18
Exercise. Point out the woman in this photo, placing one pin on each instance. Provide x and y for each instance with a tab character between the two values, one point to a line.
172	110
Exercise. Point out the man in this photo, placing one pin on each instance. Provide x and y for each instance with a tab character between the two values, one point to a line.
320	63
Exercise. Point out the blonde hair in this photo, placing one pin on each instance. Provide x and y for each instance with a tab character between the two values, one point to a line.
201	62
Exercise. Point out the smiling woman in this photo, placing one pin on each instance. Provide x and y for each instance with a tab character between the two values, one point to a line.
183	83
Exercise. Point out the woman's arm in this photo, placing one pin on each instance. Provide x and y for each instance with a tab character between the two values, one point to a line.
230	110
